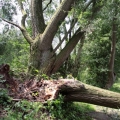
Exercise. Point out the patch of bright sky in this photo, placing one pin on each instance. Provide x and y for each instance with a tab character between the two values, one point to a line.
16	18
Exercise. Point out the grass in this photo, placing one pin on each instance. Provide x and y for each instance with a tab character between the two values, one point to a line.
116	86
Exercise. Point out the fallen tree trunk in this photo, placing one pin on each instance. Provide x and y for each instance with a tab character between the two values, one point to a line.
80	92
43	90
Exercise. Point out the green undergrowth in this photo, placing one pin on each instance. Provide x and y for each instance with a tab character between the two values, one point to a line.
116	86
51	110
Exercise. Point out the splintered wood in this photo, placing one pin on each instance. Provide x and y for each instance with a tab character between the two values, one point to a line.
42	90
32	89
35	90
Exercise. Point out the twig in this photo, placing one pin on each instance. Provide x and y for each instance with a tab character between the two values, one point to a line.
47	5
16	99
23	30
10	22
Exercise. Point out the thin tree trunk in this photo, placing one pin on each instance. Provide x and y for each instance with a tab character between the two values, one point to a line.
111	73
63	55
76	66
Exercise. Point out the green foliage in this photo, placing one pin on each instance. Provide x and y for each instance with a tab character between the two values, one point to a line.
44	76
51	110
25	110
4	97
8	10
116	86
1	79
2	47
94	64
95	55
55	107
59	110
14	50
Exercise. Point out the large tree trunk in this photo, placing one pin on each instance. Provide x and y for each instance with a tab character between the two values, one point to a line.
45	61
39	60
74	90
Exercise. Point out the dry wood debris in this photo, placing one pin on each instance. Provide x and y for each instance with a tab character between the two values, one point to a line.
33	90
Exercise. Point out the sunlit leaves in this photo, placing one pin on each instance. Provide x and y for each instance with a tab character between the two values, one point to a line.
14	50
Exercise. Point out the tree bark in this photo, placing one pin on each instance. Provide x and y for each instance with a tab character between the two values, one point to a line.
111	73
38	23
74	90
63	55
54	23
40	61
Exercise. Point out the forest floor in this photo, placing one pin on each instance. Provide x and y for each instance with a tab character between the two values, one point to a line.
104	113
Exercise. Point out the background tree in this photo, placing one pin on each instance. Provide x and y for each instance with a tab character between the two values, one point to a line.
111	73
96	55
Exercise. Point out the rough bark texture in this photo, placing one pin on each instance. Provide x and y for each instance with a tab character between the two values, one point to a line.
77	91
38	24
40	60
63	55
